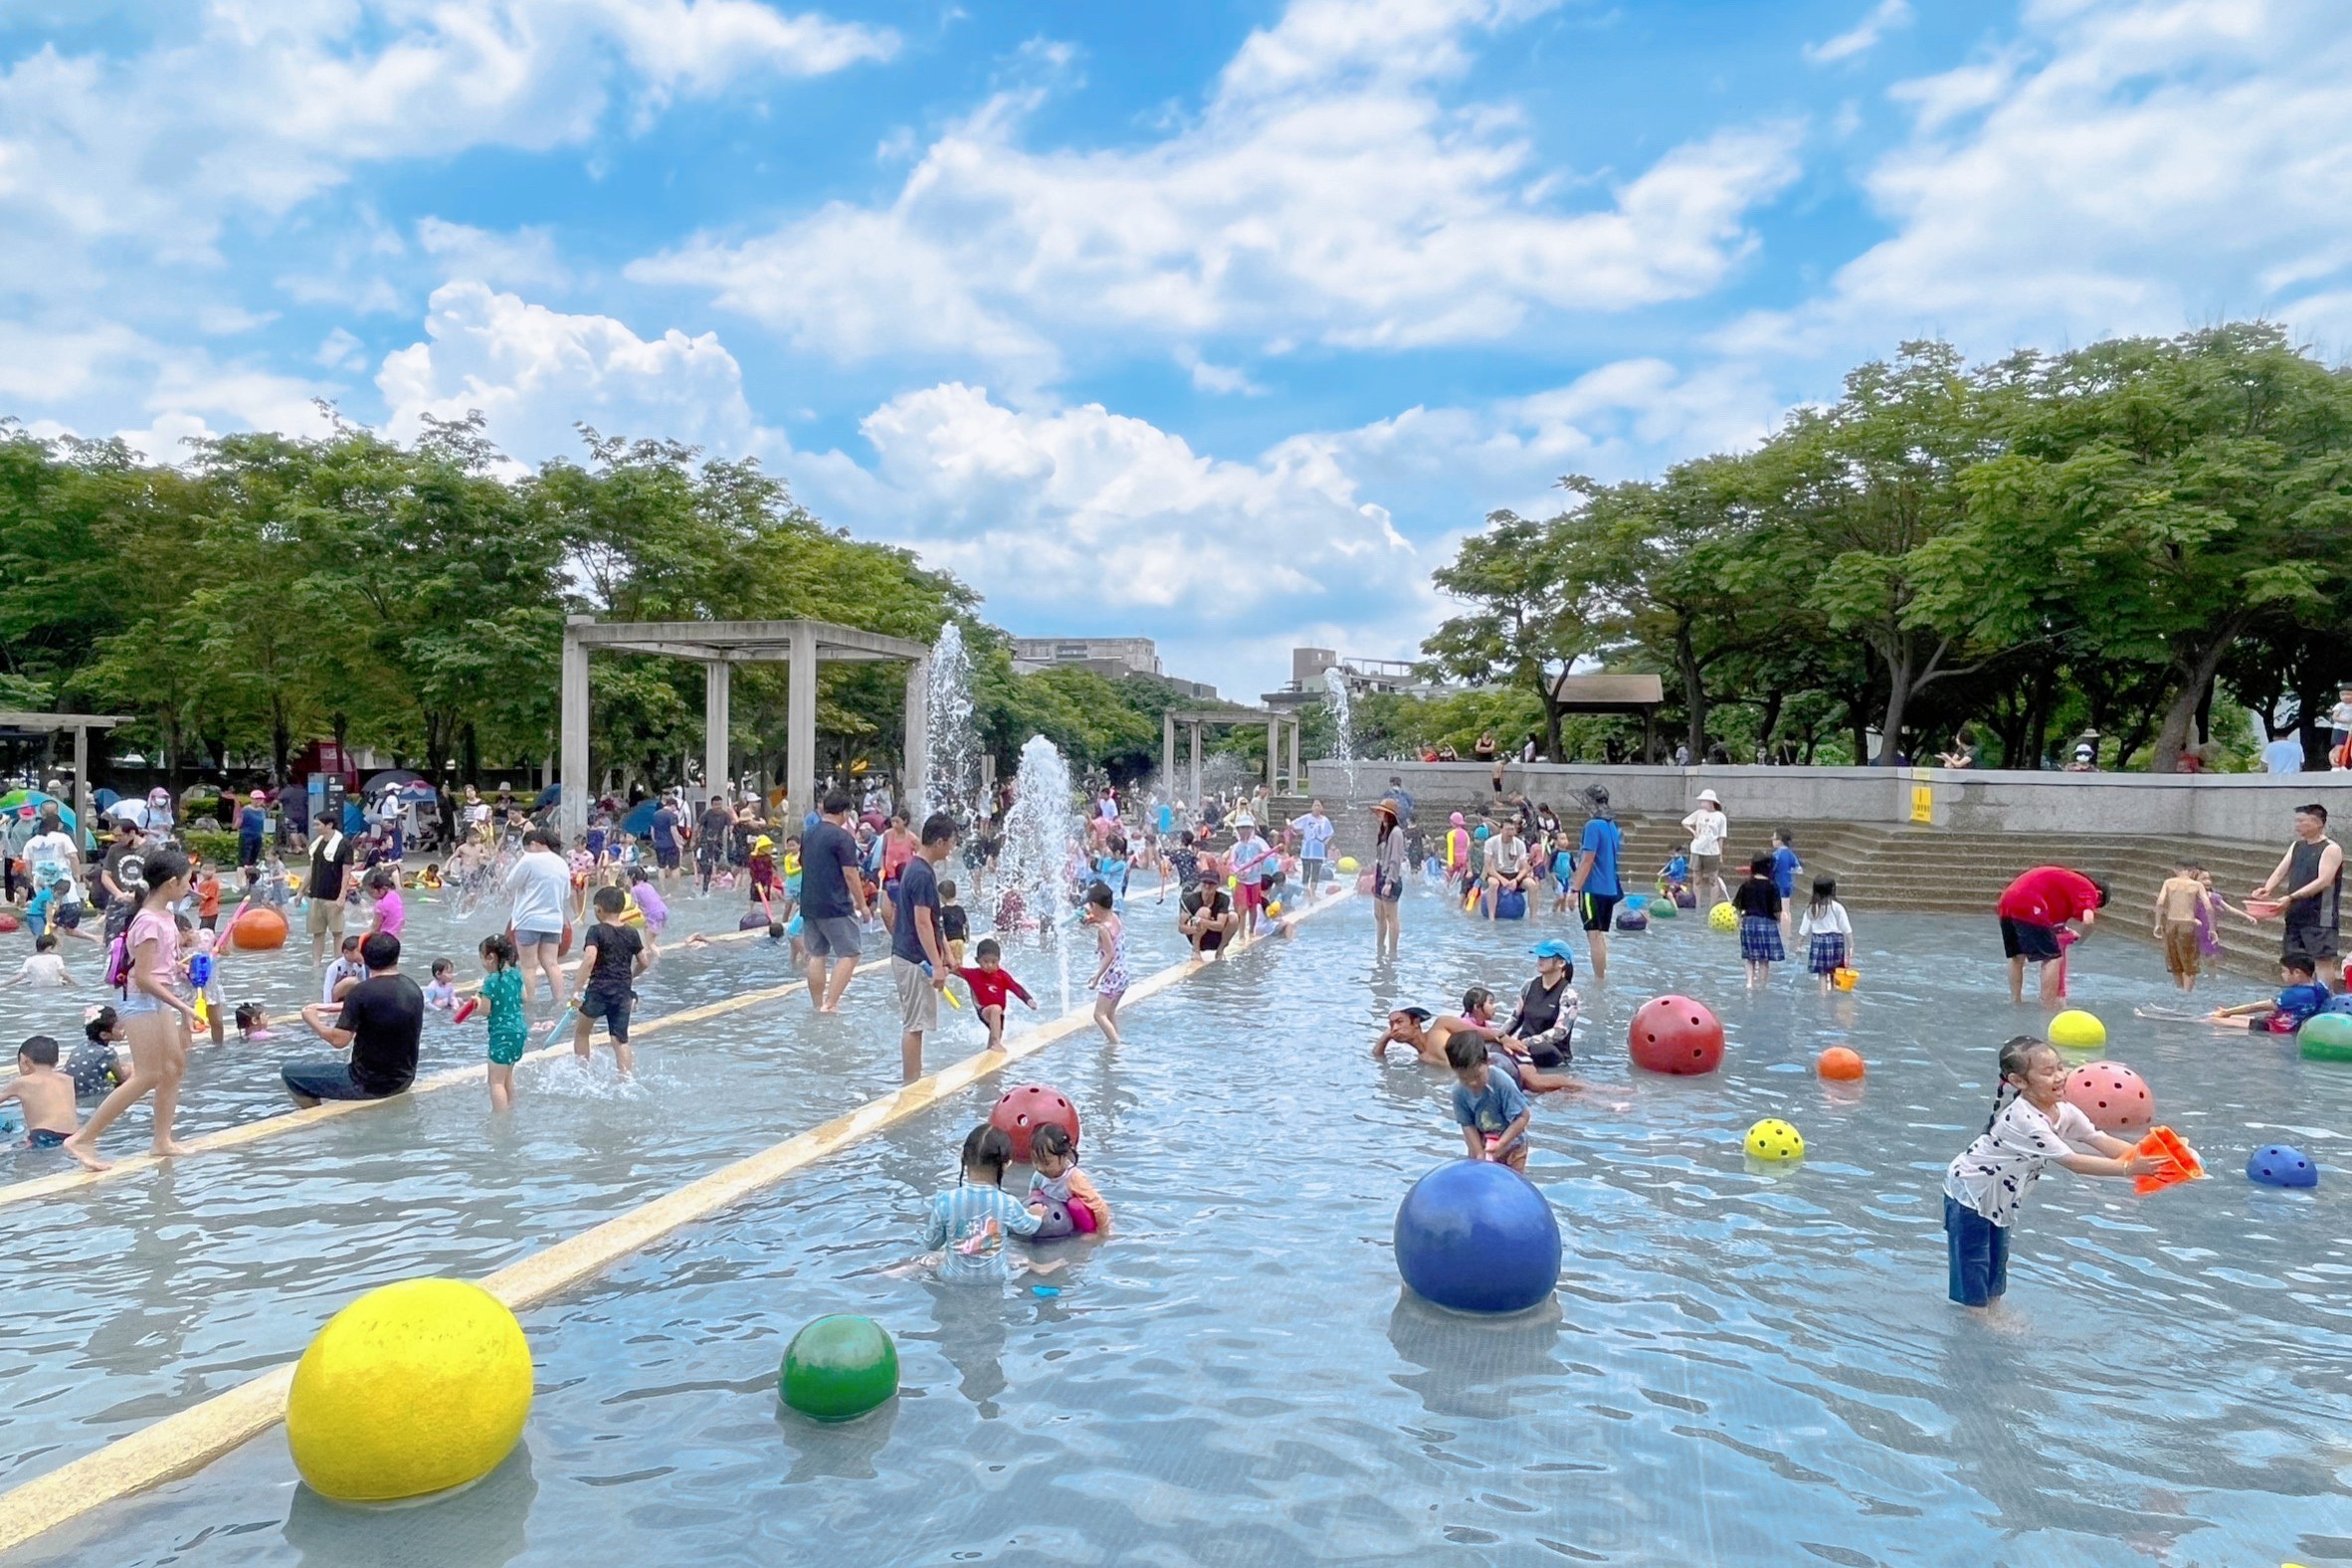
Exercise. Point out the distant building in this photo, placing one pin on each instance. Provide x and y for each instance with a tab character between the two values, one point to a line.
1113	656
1311	678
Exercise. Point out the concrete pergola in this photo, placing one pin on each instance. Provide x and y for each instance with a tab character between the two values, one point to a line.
719	646
80	725
1195	720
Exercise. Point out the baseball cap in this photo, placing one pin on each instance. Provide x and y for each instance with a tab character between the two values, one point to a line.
1555	948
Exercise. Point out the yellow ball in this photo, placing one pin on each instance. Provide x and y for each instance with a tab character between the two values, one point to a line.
1774	1139
2078	1029
1723	917
1347	864
414	1388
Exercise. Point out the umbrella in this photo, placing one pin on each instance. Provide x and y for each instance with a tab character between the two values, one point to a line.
640	820
26	802
419	790
105	798
377	783
133	812
547	797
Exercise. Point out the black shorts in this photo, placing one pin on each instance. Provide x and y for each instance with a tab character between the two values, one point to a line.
665	859
2316	943
614	1010
1595	909
2024	939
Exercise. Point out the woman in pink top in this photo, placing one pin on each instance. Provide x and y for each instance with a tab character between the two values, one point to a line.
156	1018
383	884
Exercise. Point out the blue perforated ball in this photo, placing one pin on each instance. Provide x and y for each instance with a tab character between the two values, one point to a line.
2277	1165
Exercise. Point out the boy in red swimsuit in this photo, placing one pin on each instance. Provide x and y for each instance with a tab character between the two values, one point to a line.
990	984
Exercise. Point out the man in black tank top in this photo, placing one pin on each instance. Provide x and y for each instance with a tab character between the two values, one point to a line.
2310	878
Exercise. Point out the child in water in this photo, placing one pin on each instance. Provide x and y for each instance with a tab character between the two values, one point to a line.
1489	1109
1673	882
955	927
252	1022
1758	902
1058	1182
441	993
1827	930
966	1225
2031	1129
990	984
46	1095
1110	975
2299	996
501	992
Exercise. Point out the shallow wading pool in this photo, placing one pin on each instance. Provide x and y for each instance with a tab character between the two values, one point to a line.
1744	1365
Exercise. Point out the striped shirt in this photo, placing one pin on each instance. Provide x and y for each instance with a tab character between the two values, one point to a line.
970	1224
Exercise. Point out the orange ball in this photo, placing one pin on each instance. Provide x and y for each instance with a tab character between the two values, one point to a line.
259	930
1839	1063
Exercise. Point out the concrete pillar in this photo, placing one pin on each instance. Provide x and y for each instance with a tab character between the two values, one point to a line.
573	733
800	725
919	742
82	821
1168	752
1273	756
717	759
1195	765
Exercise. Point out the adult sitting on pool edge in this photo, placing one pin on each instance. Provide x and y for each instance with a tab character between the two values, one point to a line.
380	1023
2032	910
1205	917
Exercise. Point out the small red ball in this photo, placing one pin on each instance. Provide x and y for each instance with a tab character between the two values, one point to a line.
2112	1096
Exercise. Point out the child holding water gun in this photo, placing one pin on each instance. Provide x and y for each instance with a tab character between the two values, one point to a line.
2031	1129
991	983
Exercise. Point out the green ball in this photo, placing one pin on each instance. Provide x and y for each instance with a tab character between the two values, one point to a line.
2327	1037
838	1367
1663	909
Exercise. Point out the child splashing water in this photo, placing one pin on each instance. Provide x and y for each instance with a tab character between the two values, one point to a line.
991	983
2030	1127
1110	975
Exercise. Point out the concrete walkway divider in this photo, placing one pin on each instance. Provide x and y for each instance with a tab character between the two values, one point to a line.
296	1120
187	1441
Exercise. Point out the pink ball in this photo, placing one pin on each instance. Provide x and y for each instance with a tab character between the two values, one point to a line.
2112	1096
1019	1113
1674	1034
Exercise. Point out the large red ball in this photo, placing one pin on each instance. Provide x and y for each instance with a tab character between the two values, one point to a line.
1021	1111
9	921
2112	1096
258	929
1673	1034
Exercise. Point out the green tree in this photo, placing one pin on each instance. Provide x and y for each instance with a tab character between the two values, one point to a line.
1526	624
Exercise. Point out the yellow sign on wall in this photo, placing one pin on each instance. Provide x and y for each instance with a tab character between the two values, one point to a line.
1922	802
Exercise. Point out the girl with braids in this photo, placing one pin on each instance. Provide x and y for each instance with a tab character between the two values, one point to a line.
2030	1127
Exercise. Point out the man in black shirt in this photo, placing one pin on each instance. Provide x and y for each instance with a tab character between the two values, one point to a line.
831	893
331	859
919	963
1206	916
710	839
380	1023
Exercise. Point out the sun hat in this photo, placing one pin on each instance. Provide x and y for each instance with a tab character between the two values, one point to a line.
1708	797
1553	948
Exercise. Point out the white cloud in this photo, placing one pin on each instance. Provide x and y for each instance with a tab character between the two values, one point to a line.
1864	36
523	258
1325	193
246	105
533	372
2140	166
92	379
339	351
1223	380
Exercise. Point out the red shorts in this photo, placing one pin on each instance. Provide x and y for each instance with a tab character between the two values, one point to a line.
1253	895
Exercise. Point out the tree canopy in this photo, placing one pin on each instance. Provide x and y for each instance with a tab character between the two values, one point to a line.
270	591
2107	539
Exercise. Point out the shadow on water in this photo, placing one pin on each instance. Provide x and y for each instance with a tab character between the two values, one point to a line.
482	1526
1482	1368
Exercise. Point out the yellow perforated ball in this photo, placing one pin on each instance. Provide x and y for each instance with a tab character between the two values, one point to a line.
412	1389
1775	1140
1723	917
2078	1029
1347	864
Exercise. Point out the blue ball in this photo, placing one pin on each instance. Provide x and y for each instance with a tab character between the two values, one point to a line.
1478	1236
1511	904
2277	1165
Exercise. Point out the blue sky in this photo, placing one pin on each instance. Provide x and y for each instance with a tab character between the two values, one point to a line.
1219	321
